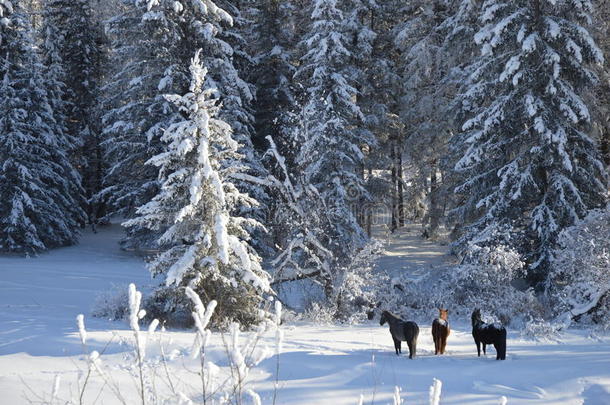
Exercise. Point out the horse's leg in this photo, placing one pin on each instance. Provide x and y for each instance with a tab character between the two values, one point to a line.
443	343
503	345
396	345
498	350
412	347
478	347
484	346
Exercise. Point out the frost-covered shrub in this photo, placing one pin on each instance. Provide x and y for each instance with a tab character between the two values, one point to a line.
483	280
355	290
319	313
112	304
540	329
579	284
234	305
355	285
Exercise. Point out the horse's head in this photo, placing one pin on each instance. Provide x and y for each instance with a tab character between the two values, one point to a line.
476	316
384	318
443	314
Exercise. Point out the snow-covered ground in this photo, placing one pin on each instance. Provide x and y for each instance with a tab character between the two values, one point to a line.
40	297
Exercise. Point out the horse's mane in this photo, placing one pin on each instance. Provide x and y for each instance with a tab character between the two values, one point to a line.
393	315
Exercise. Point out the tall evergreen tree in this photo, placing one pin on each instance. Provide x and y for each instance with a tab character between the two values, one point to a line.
532	169
40	191
144	63
238	97
601	98
277	105
71	32
330	152
152	44
204	245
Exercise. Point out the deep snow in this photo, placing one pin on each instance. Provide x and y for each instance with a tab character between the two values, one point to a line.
40	298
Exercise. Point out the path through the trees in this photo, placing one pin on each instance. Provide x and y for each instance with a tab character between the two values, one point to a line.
407	252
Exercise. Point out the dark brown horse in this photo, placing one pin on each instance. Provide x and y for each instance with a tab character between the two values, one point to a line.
401	331
440	331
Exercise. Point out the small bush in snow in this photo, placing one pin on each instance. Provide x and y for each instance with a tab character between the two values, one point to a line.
320	313
540	329
579	286
112	304
355	290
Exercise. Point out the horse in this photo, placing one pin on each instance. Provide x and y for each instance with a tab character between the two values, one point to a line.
401	331
440	331
488	334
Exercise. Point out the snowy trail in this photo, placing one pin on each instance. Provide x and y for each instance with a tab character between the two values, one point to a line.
334	364
408	252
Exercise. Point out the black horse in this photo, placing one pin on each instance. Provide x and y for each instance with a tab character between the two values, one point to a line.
401	331
488	334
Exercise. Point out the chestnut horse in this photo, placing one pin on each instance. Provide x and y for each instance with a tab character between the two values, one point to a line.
440	331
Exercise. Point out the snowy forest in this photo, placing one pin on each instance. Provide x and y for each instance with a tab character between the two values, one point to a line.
303	168
250	146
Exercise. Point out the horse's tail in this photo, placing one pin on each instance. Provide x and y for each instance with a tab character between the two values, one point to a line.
502	344
412	333
437	334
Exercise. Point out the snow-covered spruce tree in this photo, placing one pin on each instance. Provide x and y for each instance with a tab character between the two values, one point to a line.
579	283
276	107
70	31
55	77
529	164
360	37
144	62
204	245
330	152
40	194
459	52
234	69
601	98
152	43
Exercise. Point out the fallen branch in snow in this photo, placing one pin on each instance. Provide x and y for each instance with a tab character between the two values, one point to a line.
297	277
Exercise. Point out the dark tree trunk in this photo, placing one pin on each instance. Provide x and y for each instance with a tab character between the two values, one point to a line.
394	224
369	211
605	143
434	211
400	182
